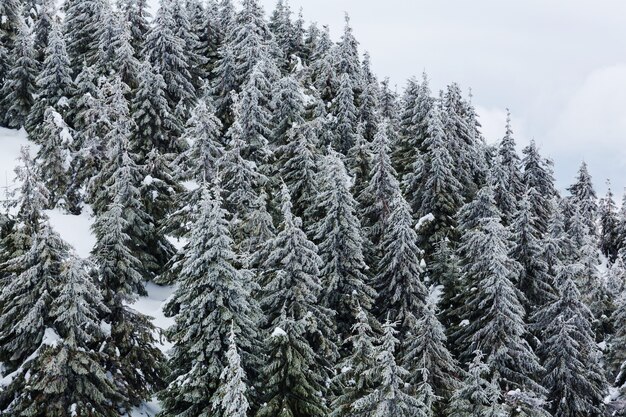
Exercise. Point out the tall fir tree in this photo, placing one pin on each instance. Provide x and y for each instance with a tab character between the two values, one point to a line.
81	30
510	175
230	397
608	222
345	115
212	296
137	16
18	88
537	176
584	197
341	247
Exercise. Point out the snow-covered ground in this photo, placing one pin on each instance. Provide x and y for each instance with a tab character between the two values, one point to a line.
76	230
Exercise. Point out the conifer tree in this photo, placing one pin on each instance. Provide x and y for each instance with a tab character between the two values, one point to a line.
607	215
81	30
359	162
155	123
509	176
10	14
124	61
67	376
165	50
230	397
347	58
189	37
31	197
137	16
54	83
494	311
369	115
341	246
212	296
42	28
389	396
357	377
288	105
56	140
345	115
537	176
399	283
376	200
427	355
574	378
291	284
19	84
477	395
584	197
324	73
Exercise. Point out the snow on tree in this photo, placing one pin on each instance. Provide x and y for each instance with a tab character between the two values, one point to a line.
414	123
298	164
66	377
19	84
340	244
82	29
615	276
10	15
347	58
399	283
389	397
574	378
290	282
54	83
212	296
26	300
535	282
124	62
508	175
359	161
324	74
53	156
42	27
369	101
493	305
31	197
190	40
357	370
288	105
154	120
428	360
537	175
293	384
584	197
431	185
608	234
345	115
477	395
231	395
165	50
137	17
376	200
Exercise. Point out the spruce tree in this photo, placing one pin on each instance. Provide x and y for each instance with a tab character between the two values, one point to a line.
67	376
230	397
53	155
399	283
607	215
19	84
359	162
341	246
347	58
137	16
493	311
81	30
537	176
574	378
369	115
584	197
389	396
345	115
212	296
42	28
509	175
288	105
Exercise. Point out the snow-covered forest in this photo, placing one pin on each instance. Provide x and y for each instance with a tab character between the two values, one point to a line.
314	242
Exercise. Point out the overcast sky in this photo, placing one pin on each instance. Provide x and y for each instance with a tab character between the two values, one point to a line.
559	65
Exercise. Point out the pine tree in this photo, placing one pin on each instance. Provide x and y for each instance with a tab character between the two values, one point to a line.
359	162
291	284
369	100
376	200
537	176
607	214
155	124
574	377
477	395
534	281
324	74
124	61
494	310
345	115
54	83
189	37
212	296
347	58
82	24
427	354
19	84
57	140
357	377
389	396
434	190
298	163
399	283
293	385
67	376
341	247
137	16
10	15
42	27
165	50
230	397
288	105
510	175
584	197
32	195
